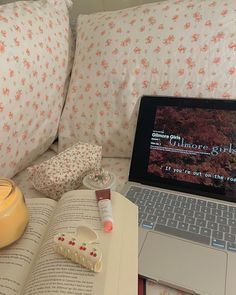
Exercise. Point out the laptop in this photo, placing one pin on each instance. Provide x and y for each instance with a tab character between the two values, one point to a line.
183	179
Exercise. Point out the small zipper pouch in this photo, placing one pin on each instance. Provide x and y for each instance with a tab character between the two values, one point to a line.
65	171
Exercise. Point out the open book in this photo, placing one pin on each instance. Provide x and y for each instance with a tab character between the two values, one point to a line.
31	267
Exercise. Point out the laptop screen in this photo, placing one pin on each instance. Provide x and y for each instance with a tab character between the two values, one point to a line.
187	144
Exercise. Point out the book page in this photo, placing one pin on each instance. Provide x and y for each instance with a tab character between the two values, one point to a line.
56	274
17	259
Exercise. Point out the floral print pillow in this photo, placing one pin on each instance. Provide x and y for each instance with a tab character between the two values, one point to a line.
171	48
35	59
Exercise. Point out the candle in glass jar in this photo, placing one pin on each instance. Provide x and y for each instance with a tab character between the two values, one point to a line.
13	212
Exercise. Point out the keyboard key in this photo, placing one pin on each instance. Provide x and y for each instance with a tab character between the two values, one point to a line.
140	202
183	226
195	208
190	220
199	215
178	210
232	222
183	234
131	192
191	200
221	220
135	188
147	224
146	191
212	225
229	237
161	220
216	212
211	205
232	209
224	228
231	247
165	201
172	223
201	203
168	208
181	198
173	203
205	210
152	218
185	205
233	230
179	217
139	194
159	200
177	204
174	196
141	209
188	212
163	194
201	222
217	234
218	243
150	210
227	214
148	198
222	207
159	213
194	228
159	206
171	197
205	232
155	193
169	215
210	217
150	203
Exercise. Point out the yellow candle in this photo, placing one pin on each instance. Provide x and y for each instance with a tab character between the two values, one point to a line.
13	212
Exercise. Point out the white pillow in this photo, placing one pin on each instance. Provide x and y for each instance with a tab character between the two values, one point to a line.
35	59
177	48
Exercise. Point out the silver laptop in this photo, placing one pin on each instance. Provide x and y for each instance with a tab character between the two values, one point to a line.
183	178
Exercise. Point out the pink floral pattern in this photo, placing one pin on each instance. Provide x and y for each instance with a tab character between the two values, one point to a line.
65	171
163	48
35	58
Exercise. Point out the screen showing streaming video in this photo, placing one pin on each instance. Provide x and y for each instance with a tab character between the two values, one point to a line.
194	145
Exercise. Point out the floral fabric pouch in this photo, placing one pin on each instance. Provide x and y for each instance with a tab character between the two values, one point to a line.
66	170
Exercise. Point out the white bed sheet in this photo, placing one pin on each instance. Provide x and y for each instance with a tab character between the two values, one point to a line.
118	166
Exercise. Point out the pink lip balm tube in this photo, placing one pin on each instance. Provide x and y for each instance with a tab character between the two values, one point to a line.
105	208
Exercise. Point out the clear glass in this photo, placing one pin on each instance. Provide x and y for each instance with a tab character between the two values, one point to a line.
14	214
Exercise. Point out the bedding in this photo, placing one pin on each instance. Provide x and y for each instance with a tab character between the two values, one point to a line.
169	48
36	59
166	48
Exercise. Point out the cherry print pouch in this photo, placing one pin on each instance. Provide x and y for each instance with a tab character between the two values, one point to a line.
66	170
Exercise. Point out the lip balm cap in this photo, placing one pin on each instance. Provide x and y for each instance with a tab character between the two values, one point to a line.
108	226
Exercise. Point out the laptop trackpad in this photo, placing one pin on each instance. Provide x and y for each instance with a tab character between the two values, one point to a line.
183	264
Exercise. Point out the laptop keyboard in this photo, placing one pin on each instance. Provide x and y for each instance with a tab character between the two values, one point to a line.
202	221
